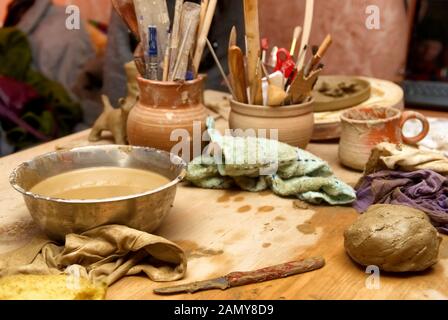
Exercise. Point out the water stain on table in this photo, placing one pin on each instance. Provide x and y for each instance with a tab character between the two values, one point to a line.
244	209
267	245
266	209
306	228
239	199
265	193
228	195
280	218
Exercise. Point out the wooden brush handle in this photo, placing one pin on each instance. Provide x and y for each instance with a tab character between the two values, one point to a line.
253	40
237	279
203	33
237	73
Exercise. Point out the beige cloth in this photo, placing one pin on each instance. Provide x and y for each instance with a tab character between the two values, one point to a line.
105	254
399	157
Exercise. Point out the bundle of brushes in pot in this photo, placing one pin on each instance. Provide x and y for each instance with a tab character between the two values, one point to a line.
168	51
281	79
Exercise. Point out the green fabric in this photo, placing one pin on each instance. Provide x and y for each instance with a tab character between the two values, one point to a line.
16	60
295	172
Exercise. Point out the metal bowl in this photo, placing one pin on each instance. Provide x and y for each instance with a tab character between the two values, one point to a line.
59	217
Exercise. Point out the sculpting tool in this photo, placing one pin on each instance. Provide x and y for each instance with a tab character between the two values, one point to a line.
295	38
223	74
251	19
175	37
166	60
203	33
189	25
181	49
204	7
237	279
238	74
233	37
309	12
257	88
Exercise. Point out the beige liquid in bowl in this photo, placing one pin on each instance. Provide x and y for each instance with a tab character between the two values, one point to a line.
99	183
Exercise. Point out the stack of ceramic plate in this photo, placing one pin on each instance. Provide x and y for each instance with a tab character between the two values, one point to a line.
369	92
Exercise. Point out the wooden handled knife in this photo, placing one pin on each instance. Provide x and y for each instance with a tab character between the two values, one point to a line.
238	73
237	279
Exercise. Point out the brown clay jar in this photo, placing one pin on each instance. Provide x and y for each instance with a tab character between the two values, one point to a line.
164	107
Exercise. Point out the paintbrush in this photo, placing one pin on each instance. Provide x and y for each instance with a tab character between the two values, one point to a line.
218	64
295	38
314	61
203	33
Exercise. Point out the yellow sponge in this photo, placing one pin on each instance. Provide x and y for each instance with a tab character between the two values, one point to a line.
49	287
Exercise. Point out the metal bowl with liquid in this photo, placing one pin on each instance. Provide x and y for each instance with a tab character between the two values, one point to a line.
59	217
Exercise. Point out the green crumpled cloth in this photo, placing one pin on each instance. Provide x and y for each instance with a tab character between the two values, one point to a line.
257	164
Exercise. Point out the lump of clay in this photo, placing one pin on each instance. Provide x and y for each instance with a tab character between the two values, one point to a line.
394	238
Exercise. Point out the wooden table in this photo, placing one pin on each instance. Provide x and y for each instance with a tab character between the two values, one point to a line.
224	231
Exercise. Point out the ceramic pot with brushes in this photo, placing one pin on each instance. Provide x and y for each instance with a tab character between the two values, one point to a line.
365	127
295	123
164	107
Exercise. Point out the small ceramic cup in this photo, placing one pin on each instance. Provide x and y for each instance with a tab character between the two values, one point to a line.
365	127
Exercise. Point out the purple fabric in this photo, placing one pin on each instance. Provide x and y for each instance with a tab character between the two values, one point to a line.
425	190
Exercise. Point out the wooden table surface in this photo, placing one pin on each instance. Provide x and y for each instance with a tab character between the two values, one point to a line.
224	231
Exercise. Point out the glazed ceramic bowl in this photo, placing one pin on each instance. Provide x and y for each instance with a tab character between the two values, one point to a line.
295	123
59	217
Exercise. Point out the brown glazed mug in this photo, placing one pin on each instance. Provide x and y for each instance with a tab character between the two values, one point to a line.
365	127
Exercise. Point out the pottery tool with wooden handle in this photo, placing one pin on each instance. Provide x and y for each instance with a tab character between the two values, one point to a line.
302	86
307	25
251	20
126	10
203	33
189	25
233	37
175	37
257	87
238	279
319	54
295	38
238	74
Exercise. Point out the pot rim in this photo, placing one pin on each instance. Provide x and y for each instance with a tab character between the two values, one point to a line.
14	175
272	112
346	119
200	78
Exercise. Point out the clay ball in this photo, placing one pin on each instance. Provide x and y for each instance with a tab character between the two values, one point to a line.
393	238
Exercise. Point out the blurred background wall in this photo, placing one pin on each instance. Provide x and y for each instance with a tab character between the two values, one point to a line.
356	50
90	9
